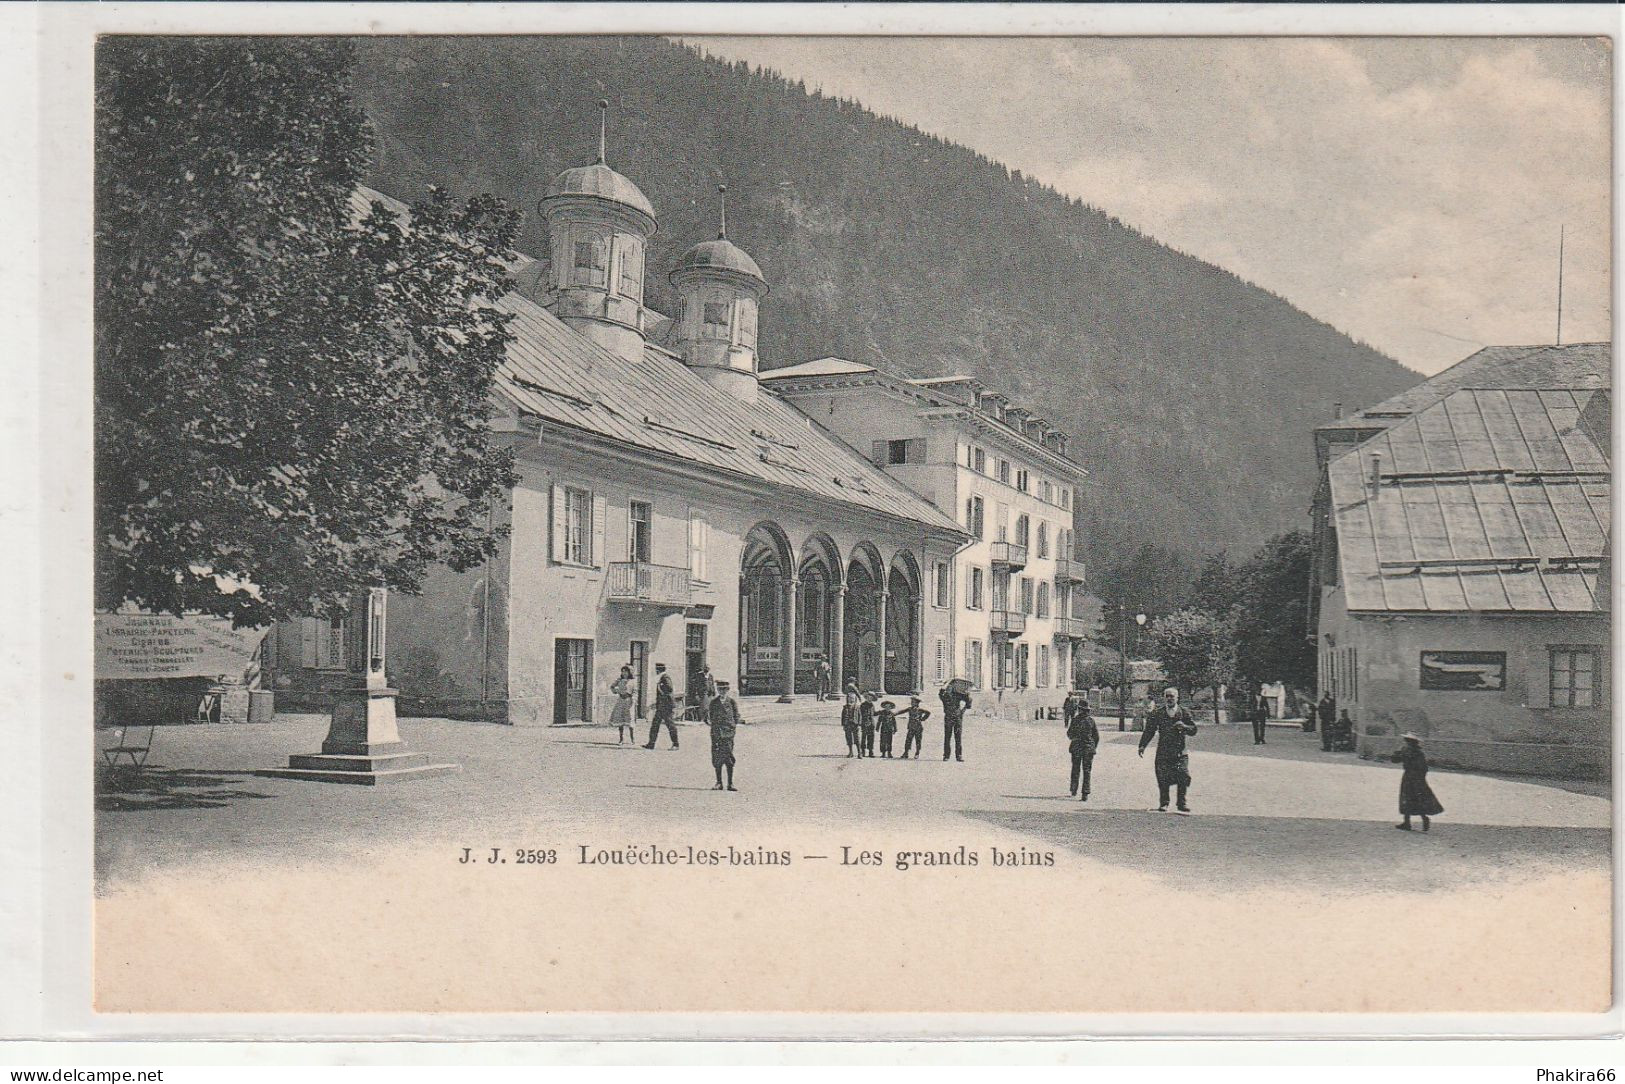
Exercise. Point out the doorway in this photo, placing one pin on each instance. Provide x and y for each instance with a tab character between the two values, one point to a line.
572	680
694	668
638	657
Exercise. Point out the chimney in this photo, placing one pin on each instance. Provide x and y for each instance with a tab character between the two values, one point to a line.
1376	473
1337	411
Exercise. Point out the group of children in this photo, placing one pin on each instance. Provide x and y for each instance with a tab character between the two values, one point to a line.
865	714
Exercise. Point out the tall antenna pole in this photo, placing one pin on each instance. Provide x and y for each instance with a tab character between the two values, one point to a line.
1560	231
722	197
603	124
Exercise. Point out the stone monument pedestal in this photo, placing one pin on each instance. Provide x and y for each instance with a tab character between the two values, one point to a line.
363	746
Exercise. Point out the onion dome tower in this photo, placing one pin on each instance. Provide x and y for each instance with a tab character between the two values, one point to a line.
598	226
719	287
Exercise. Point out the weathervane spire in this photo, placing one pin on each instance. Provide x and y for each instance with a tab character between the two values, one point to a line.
603	125
722	198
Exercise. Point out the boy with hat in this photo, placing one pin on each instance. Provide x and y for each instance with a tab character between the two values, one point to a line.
724	720
915	717
886	721
866	724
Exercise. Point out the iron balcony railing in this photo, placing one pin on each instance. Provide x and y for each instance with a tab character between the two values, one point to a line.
1008	622
1070	628
650	585
1009	555
1068	571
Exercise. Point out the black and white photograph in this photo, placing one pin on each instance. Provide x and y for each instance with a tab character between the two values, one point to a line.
794	523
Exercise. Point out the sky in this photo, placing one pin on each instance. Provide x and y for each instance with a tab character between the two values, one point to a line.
1410	192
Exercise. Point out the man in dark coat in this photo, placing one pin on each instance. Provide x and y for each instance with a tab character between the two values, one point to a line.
1083	738
1261	718
724	720
954	703
1328	717
1169	724
665	707
849	718
866	724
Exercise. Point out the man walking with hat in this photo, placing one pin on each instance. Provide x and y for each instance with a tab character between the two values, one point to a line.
665	707
954	702
1169	725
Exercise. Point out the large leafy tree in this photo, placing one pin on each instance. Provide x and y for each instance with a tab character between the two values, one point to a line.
1271	614
292	386
1197	649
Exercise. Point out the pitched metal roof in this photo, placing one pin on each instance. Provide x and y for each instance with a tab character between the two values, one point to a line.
1491	500
818	367
659	404
1575	365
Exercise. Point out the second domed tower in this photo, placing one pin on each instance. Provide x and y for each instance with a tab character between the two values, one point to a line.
719	288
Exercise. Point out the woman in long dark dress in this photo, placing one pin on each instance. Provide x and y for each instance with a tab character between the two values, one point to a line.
1415	796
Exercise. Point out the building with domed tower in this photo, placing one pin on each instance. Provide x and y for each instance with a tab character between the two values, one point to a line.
669	510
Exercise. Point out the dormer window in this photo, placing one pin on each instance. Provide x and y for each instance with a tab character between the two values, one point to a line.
714	316
591	264
631	278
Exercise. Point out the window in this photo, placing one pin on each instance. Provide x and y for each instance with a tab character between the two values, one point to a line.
577	526
747	322
1044	492
631	280
1043	666
1001	590
1043	600
980	464
1023	666
590	263
1023	529
321	643
1043	540
942	585
640	532
891	453
1001	526
1574	677
714	315
940	674
1066	498
973	663
974	516
1004	471
1021	480
973	590
699	539
1027	595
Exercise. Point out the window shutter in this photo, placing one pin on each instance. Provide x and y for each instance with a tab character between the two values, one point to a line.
697	531
916	450
877	452
600	512
1538	679
307	642
555	548
942	660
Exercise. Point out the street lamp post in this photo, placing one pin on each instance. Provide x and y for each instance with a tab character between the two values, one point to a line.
1122	670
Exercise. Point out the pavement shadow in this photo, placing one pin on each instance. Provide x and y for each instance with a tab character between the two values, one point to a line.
1344	856
663	786
137	790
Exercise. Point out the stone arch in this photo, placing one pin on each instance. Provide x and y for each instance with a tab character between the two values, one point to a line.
766	610
903	586
818	613
862	629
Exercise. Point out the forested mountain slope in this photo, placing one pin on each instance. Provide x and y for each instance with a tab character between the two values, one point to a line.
1188	393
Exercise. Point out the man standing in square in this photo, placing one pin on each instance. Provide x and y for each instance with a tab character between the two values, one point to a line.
954	702
724	720
1169	725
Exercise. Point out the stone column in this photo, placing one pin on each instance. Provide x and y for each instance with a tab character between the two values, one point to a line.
881	598
837	639
363	745
919	625
792	585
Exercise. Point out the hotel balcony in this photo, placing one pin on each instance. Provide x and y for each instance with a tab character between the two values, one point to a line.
1009	555
1007	622
661	586
1068	571
1070	628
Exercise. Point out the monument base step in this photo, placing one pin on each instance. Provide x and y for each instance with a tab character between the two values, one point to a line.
365	771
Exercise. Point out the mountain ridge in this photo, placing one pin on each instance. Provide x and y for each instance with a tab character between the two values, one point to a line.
1189	394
